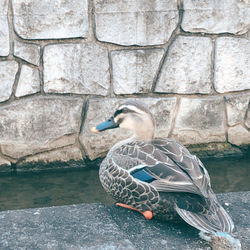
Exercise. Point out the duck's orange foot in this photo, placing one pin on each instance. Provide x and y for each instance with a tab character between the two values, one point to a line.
148	215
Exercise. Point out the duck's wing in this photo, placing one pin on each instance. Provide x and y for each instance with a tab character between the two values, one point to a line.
170	167
169	164
172	180
188	163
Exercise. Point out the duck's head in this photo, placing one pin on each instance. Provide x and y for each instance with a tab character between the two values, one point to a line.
132	115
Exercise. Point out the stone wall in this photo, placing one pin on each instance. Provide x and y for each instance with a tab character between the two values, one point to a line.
66	65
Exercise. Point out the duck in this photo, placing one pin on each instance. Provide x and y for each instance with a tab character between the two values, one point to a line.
158	177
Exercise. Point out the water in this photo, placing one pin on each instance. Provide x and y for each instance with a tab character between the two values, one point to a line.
29	190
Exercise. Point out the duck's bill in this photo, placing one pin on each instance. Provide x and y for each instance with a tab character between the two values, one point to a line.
109	124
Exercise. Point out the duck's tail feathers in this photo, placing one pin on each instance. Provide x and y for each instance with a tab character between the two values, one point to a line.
214	220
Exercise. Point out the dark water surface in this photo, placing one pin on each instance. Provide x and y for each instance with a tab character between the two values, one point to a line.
73	186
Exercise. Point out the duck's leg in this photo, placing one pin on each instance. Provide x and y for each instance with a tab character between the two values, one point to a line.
148	215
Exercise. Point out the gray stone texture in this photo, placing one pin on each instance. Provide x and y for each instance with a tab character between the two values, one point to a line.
247	122
8	70
99	110
232	63
187	68
4	162
215	150
236	107
57	155
29	81
39	124
216	16
35	19
134	70
65	228
96	226
4	29
27	51
196	83
139	22
238	135
81	68
200	121
163	110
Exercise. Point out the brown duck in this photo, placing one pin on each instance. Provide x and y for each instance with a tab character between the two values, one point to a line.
158	177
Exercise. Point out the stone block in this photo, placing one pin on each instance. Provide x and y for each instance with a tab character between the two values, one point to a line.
213	16
97	145
39	124
135	22
163	110
8	70
134	70
187	68
232	63
236	107
215	150
35	19
59	155
247	121
200	121
238	135
4	162
27	51
29	81
76	68
4	29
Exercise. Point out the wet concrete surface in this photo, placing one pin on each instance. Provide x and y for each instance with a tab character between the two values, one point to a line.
98	226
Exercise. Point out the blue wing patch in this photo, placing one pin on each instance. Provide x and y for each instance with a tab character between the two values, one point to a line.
142	175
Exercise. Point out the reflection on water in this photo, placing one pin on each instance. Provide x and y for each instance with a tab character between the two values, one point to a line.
229	175
51	189
83	186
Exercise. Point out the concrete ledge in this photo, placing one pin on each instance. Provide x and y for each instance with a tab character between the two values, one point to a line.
96	226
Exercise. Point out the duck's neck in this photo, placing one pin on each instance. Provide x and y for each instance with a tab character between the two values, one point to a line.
140	135
144	134
145	131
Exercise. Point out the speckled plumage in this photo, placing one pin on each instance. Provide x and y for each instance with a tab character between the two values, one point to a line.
180	185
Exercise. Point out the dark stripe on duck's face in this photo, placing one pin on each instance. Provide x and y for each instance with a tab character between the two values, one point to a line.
123	111
117	112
